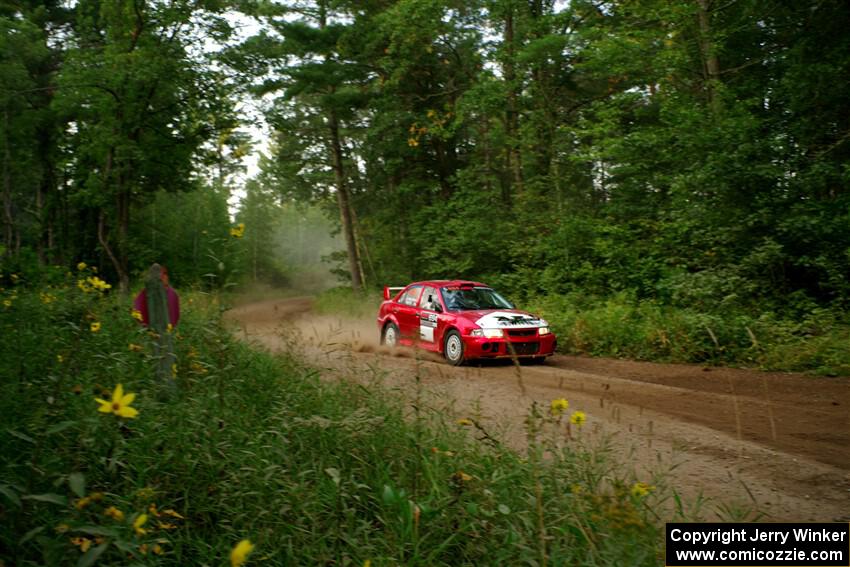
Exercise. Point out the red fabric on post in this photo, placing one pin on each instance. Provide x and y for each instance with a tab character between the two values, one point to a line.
141	304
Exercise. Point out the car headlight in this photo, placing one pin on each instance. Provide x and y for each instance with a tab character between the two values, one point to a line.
543	331
488	333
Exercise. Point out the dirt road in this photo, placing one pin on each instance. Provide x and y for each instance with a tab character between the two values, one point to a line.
734	443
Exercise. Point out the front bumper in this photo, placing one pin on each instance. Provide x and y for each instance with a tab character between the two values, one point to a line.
530	346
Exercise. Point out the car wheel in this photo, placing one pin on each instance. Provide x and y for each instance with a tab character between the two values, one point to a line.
390	336
453	348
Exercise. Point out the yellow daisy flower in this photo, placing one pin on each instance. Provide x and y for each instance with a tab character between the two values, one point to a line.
83	543
138	523
641	489
578	418
120	404
239	554
558	406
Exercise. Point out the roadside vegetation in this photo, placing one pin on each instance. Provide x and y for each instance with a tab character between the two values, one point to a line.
622	326
256	447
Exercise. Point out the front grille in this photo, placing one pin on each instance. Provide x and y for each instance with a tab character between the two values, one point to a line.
523	333
524	348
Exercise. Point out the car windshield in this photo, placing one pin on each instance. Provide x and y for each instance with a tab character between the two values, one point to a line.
471	298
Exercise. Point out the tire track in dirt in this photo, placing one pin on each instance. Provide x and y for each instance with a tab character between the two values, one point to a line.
775	443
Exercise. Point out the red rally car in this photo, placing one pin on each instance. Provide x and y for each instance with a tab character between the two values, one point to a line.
463	321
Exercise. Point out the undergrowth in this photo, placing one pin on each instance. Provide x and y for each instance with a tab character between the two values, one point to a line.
620	326
256	447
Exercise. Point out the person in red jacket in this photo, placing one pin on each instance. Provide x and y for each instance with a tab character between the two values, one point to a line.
140	304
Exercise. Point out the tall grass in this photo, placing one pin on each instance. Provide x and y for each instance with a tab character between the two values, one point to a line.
620	326
258	447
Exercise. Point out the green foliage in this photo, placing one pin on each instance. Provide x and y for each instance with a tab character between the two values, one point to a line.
621	326
257	447
344	301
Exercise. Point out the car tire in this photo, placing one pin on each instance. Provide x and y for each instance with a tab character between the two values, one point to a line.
453	348
389	336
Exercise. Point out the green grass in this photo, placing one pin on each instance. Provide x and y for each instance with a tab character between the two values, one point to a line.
256	446
343	301
619	326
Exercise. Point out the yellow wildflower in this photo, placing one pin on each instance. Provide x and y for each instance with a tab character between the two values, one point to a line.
120	404
143	549
412	142
138	523
83	543
174	370
95	327
145	493
7	303
166	526
238	231
578	418
462	476
169	327
157	549
97	283
367	563
81	266
62	528
173	514
577	489
60	359
137	315
239	554
82	502
558	406
114	513
133	347
641	489
464	421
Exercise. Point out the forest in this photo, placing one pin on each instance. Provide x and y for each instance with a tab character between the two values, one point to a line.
661	180
641	160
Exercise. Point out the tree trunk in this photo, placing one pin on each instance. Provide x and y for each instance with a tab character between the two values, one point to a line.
513	157
123	202
119	262
8	221
711	64
344	202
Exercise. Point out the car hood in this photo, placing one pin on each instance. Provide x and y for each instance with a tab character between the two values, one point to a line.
502	318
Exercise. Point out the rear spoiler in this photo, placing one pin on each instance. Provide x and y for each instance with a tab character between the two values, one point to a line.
390	292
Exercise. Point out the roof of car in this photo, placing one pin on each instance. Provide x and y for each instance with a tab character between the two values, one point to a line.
448	283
